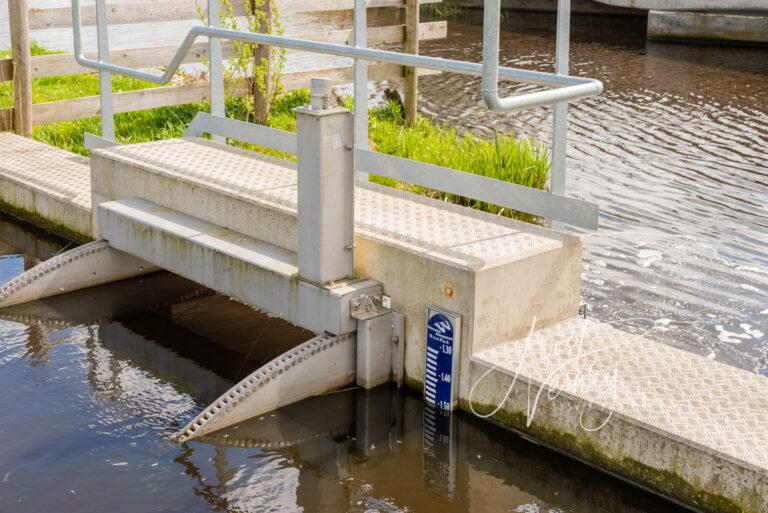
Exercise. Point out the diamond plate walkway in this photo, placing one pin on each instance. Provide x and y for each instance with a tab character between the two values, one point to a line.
435	228
644	410
45	185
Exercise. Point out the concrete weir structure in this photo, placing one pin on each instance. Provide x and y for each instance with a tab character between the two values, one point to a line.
477	310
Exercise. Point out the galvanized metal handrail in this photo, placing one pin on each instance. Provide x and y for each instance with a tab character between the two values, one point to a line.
570	88
561	87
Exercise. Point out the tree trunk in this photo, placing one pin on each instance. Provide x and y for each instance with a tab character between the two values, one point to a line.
22	67
411	74
262	64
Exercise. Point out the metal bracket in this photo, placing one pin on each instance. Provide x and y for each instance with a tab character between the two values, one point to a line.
380	349
368	306
94	142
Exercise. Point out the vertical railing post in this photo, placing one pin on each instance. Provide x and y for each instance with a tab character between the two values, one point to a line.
326	183
105	78
557	180
361	80
215	65
411	46
18	11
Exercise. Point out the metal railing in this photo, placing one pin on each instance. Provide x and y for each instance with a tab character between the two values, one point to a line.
561	89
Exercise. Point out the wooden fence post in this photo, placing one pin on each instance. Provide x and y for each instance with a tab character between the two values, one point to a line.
262	60
411	46
18	12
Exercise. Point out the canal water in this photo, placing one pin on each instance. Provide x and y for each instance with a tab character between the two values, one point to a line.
93	385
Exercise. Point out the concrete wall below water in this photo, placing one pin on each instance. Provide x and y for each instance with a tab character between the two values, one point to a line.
577	7
745	28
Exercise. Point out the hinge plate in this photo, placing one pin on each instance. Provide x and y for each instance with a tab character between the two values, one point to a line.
368	306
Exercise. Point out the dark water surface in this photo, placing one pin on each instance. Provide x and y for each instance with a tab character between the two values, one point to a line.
675	152
93	384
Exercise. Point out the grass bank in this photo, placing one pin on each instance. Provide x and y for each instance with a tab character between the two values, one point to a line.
502	157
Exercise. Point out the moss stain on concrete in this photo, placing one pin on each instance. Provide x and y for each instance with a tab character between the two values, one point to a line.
44	223
661	481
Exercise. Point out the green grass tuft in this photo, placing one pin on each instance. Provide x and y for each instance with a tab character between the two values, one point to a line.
34	49
442	10
502	157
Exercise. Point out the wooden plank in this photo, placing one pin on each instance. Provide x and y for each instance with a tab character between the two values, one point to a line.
6	69
6	120
81	108
64	64
22	66
173	10
88	107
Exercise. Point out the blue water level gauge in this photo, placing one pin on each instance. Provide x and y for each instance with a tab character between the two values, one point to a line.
442	358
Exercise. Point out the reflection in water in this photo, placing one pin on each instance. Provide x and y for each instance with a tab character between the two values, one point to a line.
99	380
384	450
674	152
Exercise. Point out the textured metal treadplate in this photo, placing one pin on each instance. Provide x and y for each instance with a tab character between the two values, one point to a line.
426	226
57	173
675	393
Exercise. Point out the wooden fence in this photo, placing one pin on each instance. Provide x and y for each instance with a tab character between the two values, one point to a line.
23	67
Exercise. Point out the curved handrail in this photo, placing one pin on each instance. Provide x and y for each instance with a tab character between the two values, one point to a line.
568	88
492	72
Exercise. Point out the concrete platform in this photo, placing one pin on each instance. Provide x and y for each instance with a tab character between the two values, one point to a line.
426	252
679	424
249	270
45	185
709	27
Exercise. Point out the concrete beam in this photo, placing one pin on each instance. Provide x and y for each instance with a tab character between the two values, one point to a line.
674	422
46	186
249	270
708	27
690	5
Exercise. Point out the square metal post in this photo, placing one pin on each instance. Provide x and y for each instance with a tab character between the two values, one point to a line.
105	77
560	115
361	79
215	66
326	182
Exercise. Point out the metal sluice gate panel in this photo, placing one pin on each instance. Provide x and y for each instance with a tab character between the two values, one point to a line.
323	363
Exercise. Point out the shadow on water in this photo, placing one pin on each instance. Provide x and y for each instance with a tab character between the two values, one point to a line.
100	379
